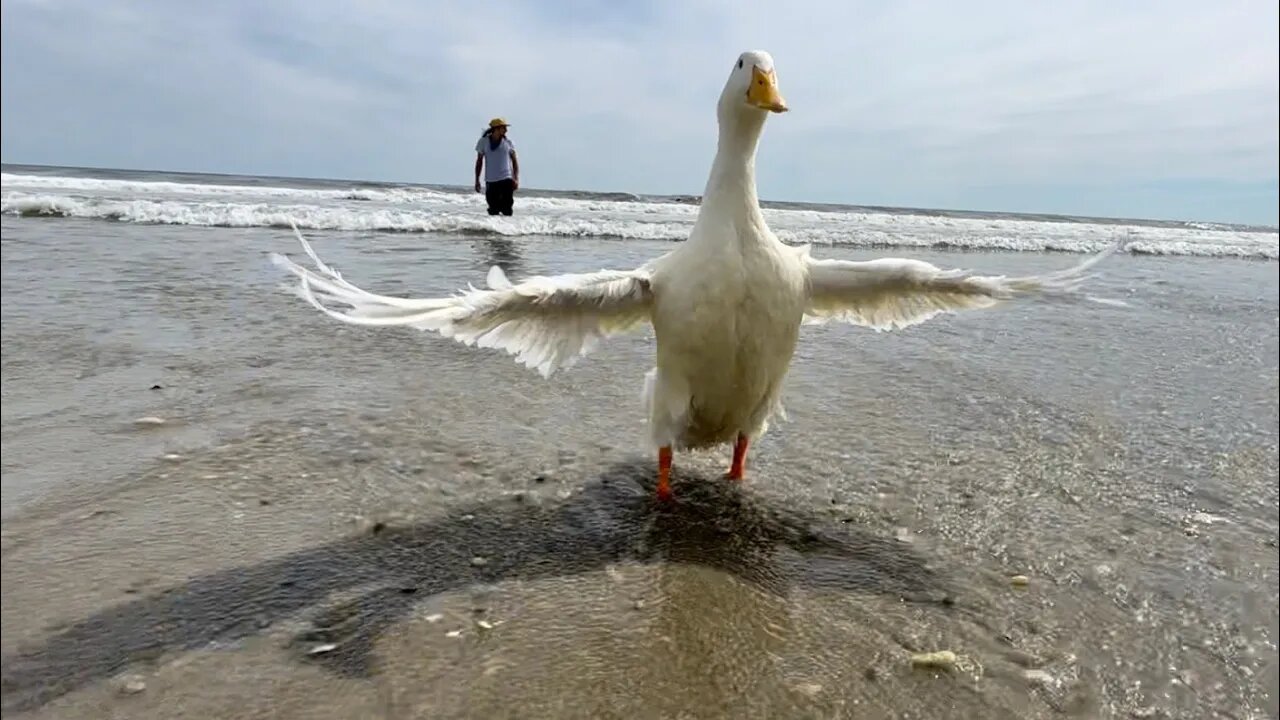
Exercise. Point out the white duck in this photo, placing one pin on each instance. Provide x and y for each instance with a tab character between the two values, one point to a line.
726	306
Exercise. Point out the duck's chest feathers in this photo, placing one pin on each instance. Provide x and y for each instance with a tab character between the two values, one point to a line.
740	302
725	338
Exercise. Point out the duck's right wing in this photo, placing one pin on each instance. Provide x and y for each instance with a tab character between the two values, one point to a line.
547	323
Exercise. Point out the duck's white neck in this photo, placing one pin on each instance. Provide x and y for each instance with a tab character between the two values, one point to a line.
731	188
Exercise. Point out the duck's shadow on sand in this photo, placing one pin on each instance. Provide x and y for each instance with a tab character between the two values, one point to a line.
714	523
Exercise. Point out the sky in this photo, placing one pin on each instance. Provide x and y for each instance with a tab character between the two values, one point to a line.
1142	109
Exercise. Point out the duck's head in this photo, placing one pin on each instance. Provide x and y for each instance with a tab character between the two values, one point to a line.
752	85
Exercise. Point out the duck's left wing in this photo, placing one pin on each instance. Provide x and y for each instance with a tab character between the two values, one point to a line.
547	323
893	293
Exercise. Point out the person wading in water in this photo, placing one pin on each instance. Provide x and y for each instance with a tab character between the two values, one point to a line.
496	154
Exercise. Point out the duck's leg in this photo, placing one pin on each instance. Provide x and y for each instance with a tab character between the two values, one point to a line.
664	473
738	470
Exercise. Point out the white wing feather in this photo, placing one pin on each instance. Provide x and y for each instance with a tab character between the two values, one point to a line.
894	293
547	323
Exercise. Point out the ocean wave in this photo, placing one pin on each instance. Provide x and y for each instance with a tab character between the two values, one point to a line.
792	226
313	217
611	202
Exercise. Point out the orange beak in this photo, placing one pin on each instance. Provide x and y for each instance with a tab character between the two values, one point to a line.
763	92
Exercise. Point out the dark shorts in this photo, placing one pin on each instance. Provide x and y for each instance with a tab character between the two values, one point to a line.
500	194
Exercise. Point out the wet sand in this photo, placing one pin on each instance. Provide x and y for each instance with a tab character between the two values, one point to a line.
338	523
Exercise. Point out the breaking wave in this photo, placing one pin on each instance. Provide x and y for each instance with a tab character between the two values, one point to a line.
425	210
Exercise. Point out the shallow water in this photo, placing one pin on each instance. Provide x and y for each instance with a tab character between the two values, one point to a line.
316	484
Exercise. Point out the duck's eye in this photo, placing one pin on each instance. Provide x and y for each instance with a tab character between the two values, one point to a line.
739	63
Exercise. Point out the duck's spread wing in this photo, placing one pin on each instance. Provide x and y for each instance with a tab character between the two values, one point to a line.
893	293
547	323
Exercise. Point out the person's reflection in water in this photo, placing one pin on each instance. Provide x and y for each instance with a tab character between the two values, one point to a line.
499	251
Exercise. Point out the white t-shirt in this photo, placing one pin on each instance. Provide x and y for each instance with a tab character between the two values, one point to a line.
497	161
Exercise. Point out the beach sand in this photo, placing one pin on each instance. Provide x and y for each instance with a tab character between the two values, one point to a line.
337	522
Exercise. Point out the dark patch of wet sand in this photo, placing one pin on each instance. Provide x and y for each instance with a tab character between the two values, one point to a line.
695	592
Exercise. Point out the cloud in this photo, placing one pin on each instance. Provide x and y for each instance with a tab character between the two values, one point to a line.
991	104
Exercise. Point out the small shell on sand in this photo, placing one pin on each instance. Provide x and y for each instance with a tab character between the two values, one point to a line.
942	659
1039	677
1020	581
132	685
809	689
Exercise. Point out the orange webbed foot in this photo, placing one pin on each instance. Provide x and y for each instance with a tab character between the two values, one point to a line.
738	470
664	475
